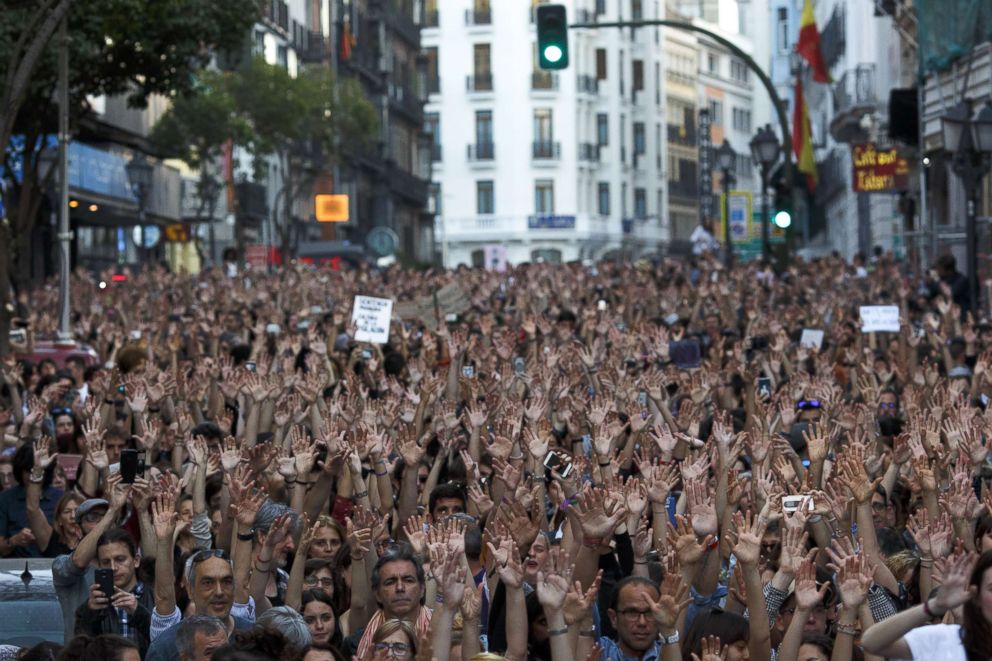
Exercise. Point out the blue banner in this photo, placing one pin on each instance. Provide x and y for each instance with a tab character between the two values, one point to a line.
551	222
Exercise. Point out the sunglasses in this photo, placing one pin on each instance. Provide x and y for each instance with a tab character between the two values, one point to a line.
805	404
61	411
886	405
200	556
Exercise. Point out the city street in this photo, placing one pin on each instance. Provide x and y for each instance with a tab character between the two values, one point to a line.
456	330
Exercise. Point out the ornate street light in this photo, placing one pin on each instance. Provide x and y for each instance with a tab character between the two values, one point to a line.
765	149
726	157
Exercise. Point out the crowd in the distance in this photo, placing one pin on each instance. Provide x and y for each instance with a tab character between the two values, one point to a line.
608	462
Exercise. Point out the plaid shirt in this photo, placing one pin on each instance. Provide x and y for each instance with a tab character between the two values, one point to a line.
127	630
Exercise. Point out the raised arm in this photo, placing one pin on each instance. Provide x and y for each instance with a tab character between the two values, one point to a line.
37	520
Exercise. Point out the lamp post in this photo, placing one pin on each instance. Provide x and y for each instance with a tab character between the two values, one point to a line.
208	188
139	174
969	139
725	159
765	149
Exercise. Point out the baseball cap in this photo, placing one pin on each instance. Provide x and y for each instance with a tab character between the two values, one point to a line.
88	505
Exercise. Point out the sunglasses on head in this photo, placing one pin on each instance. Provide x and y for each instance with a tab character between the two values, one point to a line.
807	404
200	556
61	411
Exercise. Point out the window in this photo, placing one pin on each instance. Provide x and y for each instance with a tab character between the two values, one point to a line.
602	129
741	120
430	14
483	128
638	75
480	12
481	64
434	199
712	63
738	70
623	139
546	255
433	81
432	127
657	83
782	29
636	10
485	200
640	203
716	112
603	205
640	138
282	56
544	196
623	200
600	64
542	125
660	206
621	74
657	144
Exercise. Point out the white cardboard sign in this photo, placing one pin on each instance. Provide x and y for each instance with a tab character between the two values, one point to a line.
371	316
811	338
879	318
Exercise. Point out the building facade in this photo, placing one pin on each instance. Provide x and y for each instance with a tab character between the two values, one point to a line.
555	166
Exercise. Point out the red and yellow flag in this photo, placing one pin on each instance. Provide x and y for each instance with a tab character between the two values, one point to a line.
802	137
808	45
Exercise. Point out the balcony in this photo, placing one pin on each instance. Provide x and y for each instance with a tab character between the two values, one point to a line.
587	84
408	186
478	17
546	150
854	96
480	83
402	24
481	151
311	47
276	14
431	19
682	135
433	85
436	152
833	39
544	80
588	152
404	100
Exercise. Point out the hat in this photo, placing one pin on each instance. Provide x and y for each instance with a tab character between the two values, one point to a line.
961	371
88	505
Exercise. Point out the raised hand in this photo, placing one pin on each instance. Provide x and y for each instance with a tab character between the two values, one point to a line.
682	537
230	456
415	529
578	604
711	650
553	581
854	578
672	600
42	458
955	589
748	531
701	508
596	520
807	594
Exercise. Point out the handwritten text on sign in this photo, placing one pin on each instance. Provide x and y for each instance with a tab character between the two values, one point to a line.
371	316
879	318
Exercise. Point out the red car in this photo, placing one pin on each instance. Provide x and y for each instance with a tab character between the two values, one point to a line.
59	353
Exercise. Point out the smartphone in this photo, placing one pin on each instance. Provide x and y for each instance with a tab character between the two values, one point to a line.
792	503
451	317
272	329
601	305
19	335
519	365
303	325
251	365
468	371
984	399
130	466
764	387
553	462
366	354
642	399
105	579
121	390
135	335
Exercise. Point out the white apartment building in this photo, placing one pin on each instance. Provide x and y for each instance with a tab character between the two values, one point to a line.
555	166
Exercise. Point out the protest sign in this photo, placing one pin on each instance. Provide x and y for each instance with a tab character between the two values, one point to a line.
879	318
371	316
811	339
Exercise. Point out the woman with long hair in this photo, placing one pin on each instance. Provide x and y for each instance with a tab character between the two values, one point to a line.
912	634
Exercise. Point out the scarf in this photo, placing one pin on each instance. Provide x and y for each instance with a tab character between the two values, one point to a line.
422	627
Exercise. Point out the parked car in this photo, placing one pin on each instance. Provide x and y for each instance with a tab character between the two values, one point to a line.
29	608
59	353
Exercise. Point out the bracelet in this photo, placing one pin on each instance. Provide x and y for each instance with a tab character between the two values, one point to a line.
262	571
846	629
816	518
640	562
926	563
37	479
382	474
360	495
516	458
247	536
289	481
591	633
592	542
440	598
538	478
558	632
929	613
602	464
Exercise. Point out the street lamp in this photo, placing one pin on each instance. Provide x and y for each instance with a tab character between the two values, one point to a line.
208	188
139	174
725	159
765	149
969	139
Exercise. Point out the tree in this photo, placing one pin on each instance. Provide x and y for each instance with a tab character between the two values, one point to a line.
116	47
303	122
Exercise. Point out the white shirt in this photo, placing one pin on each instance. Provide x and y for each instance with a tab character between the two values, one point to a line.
937	642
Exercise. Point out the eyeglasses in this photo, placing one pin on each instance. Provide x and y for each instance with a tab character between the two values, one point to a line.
200	556
887	405
804	404
397	650
634	614
325	582
60	411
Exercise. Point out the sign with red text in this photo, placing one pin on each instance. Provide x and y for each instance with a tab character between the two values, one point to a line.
878	170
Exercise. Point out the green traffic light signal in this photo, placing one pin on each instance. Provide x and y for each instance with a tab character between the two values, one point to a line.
782	219
552	37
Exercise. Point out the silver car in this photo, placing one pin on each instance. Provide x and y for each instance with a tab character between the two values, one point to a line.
29	609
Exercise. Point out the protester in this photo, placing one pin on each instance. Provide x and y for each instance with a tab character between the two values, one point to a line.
567	462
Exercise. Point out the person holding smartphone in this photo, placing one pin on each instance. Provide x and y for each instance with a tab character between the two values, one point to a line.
126	609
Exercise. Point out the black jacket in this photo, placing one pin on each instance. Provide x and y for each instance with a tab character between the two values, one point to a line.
97	622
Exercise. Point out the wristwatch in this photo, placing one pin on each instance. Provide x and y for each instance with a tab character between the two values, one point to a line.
669	640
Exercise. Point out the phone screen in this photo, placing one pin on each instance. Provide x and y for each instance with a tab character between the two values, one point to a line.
129	465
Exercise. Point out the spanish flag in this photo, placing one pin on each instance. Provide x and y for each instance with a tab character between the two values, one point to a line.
802	137
808	45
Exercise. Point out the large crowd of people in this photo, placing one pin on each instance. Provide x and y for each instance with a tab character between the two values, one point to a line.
662	461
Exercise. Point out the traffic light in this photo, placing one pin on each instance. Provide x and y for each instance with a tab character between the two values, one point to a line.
552	37
782	219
